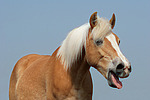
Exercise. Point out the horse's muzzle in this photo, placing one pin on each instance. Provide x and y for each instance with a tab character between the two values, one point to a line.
123	71
120	71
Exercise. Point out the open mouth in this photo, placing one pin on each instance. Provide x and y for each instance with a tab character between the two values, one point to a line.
113	80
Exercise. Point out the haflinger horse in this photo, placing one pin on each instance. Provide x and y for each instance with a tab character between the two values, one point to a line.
65	74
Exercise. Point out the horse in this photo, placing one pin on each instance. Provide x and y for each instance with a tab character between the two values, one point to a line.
65	75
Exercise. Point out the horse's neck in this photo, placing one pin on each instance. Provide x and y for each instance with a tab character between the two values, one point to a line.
78	70
73	81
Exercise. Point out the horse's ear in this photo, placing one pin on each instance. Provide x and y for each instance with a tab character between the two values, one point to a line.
112	21
93	20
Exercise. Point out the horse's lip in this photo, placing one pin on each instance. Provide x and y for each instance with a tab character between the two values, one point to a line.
113	80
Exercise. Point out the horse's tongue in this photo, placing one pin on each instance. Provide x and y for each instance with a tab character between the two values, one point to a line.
116	81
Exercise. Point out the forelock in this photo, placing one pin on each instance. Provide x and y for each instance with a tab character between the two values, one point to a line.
102	29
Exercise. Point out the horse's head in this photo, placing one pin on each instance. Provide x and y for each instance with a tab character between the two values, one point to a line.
103	52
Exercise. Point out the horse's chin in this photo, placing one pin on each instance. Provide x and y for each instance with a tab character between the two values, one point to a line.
113	80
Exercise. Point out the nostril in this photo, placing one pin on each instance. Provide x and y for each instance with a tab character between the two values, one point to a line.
130	69
120	66
119	69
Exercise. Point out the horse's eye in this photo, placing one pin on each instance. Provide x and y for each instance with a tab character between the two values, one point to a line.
119	41
99	42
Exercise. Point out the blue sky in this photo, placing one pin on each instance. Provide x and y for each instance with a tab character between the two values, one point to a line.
39	26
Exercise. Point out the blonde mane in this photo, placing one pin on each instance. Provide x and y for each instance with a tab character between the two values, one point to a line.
72	46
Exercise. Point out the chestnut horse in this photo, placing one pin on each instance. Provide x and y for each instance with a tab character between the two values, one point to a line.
65	74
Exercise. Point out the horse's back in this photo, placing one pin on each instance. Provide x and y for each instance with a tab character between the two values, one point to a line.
21	68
